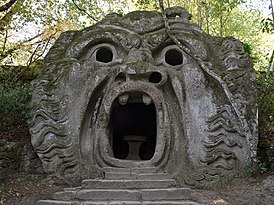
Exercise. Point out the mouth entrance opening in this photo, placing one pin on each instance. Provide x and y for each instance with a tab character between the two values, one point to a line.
133	130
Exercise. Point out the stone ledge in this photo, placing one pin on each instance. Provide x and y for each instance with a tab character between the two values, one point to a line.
128	184
52	202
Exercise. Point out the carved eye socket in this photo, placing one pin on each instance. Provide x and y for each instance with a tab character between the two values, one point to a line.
174	57
171	56
104	55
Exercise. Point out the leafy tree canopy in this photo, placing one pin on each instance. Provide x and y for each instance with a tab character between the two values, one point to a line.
29	27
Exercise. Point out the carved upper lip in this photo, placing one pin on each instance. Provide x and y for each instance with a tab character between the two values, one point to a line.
136	86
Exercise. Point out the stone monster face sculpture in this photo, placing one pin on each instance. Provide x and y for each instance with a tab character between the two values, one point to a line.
123	94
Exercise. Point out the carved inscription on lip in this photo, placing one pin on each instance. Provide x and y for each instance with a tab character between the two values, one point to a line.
134	87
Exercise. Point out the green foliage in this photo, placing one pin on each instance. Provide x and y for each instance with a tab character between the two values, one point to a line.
267	25
34	25
146	4
262	167
14	104
250	171
265	83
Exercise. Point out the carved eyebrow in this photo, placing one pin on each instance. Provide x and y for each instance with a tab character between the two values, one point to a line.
127	40
159	39
116	37
156	39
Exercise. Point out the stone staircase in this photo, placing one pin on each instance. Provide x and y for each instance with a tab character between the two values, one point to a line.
125	187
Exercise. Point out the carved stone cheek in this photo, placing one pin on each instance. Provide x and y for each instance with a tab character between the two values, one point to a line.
195	82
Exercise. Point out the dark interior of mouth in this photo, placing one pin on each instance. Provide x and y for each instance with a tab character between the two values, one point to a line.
133	125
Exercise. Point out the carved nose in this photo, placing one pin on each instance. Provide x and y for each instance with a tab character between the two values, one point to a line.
155	77
139	55
121	77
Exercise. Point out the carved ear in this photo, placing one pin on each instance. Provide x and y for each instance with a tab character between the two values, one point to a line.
233	55
238	74
57	51
47	111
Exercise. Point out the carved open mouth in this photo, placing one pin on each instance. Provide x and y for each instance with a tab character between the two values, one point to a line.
133	126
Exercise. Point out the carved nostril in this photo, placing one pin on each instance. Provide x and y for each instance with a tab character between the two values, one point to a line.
121	77
155	77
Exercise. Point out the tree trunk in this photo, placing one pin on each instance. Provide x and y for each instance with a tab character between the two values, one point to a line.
6	20
200	18
272	9
6	6
221	25
270	68
207	17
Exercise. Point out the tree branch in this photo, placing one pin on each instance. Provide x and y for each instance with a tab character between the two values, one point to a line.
32	58
29	63
272	9
5	20
84	11
172	37
7	5
5	41
45	48
270	64
30	39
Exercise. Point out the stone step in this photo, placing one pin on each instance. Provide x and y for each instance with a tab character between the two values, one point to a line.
155	176
118	176
108	195
168	203
137	170
127	184
132	176
125	194
72	189
166	194
53	202
64	195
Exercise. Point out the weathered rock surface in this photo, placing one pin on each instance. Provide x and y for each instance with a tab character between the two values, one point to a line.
18	156
124	99
268	183
30	162
9	157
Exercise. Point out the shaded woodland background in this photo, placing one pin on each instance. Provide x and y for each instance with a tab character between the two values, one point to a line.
28	28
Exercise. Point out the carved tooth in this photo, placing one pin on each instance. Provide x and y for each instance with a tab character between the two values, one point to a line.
123	99
146	99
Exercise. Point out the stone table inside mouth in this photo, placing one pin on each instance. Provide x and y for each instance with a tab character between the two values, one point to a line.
134	143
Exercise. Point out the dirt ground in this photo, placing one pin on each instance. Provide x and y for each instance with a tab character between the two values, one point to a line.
27	189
